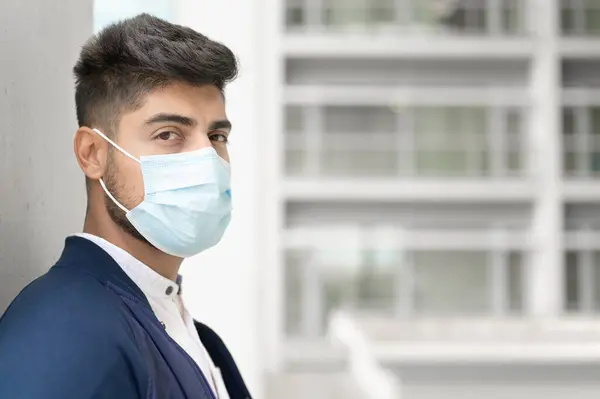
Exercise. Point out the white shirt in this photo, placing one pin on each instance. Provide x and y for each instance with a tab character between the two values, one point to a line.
168	306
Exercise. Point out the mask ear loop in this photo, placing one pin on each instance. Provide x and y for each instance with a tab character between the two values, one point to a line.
111	196
98	132
118	147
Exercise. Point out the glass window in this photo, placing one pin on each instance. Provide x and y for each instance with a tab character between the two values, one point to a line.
572	289
295	15
596	280
569	121
295	162
515	148
515	282
343	13
293	292
367	162
511	16
594	137
475	16
467	16
592	17
360	119
594	115
382	11
437	163
569	128
294	119
376	283
365	283
451	140
360	141
582	281
568	17
451	282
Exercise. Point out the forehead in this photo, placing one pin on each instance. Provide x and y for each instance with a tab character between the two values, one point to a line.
205	104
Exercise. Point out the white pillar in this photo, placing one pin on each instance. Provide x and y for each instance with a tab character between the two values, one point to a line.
544	296
221	286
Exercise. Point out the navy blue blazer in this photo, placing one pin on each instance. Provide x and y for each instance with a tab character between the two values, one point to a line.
84	330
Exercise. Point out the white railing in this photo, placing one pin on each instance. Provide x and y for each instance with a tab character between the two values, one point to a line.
399	96
391	238
375	381
406	16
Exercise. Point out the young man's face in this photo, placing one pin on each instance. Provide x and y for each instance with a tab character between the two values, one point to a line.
177	118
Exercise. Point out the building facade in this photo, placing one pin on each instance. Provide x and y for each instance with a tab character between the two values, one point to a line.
436	168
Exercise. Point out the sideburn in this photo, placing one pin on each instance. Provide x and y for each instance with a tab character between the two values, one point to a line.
116	214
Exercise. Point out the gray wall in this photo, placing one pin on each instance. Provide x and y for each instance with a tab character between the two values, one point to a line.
42	193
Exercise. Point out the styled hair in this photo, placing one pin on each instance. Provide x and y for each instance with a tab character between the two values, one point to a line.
128	59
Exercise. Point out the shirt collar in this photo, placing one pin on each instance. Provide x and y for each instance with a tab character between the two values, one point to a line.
150	282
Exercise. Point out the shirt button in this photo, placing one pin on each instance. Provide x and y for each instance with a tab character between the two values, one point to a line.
169	290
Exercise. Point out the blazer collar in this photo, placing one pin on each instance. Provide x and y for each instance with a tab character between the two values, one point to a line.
82	254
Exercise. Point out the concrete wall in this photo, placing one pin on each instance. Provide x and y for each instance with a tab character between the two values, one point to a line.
42	192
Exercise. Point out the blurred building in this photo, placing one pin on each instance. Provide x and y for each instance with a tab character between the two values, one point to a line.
437	183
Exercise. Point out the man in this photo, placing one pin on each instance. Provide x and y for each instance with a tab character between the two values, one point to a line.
107	321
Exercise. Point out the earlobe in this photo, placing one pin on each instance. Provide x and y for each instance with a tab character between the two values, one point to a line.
90	152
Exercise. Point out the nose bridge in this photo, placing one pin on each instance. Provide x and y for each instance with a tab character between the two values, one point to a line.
200	141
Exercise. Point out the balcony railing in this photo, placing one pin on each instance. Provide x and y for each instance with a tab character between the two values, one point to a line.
482	339
330	136
459	17
417	273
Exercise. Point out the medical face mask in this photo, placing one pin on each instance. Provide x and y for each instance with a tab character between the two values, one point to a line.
187	200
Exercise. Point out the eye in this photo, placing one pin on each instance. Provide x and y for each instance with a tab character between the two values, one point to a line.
219	137
167	136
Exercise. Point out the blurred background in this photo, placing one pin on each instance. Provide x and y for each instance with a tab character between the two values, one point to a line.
417	207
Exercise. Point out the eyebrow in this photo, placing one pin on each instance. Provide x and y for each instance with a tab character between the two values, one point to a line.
223	124
187	121
175	118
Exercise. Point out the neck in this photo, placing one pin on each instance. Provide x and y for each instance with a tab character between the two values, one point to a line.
162	263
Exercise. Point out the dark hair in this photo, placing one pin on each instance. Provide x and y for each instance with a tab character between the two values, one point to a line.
128	59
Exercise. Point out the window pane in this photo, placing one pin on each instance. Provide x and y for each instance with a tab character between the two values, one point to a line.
514	121
295	161
343	13
511	16
357	119
468	16
451	282
381	11
595	135
569	128
572	289
595	120
430	163
568	18
294	119
376	283
592	17
360	163
515	282
514	162
569	121
295	13
293	293
570	163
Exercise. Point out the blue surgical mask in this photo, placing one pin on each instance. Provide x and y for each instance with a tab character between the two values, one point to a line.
187	202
